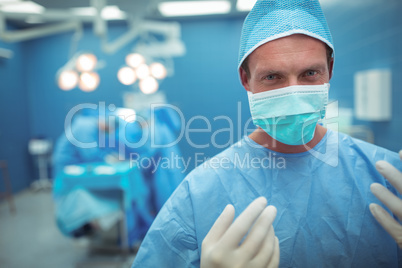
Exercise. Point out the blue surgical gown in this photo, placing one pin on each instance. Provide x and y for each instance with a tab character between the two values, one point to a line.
160	150
75	209
322	197
84	130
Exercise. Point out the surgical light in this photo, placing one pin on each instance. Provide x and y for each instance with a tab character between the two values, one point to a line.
112	13
107	13
134	60
3	2
89	81
149	85
245	5
142	71
81	70
190	8
68	79
86	62
158	70
83	11
22	7
126	76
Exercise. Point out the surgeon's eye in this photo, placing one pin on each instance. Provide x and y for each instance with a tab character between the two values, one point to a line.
270	77
311	73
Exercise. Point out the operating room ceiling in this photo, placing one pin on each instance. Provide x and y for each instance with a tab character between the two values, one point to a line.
50	11
61	15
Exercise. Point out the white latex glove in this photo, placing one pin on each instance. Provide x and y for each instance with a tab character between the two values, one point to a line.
394	176
221	247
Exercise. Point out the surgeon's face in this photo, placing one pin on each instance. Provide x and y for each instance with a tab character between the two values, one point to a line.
288	61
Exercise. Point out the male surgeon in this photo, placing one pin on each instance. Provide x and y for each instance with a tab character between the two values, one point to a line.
319	197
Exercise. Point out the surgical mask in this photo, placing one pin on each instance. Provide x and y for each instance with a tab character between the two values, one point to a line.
290	114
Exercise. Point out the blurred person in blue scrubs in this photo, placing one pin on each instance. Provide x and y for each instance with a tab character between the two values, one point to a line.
154	142
316	181
94	140
108	139
86	129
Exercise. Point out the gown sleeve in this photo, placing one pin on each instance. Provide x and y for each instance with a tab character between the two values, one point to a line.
171	241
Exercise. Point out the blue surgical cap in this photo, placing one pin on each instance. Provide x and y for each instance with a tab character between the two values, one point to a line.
273	19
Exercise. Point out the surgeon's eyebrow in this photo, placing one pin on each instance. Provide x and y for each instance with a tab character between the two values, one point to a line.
316	67
264	73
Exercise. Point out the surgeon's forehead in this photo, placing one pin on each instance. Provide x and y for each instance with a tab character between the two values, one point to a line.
293	42
291	46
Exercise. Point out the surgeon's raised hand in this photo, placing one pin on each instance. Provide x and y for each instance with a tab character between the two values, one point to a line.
222	248
394	176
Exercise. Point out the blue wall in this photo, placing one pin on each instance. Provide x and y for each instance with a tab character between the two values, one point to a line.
368	35
15	119
205	82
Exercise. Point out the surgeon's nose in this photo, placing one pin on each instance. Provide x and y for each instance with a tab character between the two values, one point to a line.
293	81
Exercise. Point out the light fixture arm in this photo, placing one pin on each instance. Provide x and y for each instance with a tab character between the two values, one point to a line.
171	30
100	24
32	33
120	42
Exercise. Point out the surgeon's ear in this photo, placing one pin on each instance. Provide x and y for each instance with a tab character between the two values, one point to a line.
244	79
331	67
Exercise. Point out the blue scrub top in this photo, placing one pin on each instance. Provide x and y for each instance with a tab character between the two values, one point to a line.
322	197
